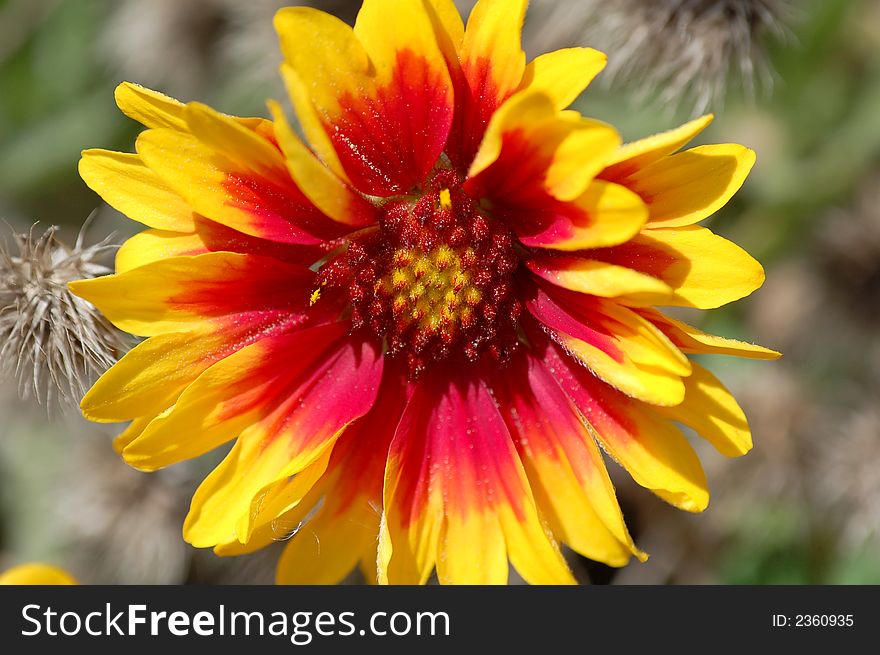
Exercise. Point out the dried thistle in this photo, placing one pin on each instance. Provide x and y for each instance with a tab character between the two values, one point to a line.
686	51
118	525
53	342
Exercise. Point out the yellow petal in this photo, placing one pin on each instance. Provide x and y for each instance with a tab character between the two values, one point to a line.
659	458
151	376
332	53
328	546
154	245
278	512
713	413
366	87
687	187
386	28
222	505
155	110
703	269
562	462
595	277
237	392
563	74
181	294
471	550
36	574
211	411
310	121
134	430
130	187
448	27
319	398
691	340
150	108
235	178
632	157
228	137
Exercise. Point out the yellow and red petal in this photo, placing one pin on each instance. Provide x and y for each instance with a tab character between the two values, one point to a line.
562	462
352	475
532	153
189	293
155	245
151	376
132	188
606	214
328	192
231	395
490	69
315	399
691	340
453	478
649	447
703	269
713	413
381	92
616	344
563	74
325	548
595	277
632	157
687	187
256	196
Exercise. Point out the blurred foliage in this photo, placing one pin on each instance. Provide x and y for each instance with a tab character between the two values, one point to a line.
817	135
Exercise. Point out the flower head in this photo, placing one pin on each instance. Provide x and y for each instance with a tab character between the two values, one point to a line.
54	342
686	51
421	323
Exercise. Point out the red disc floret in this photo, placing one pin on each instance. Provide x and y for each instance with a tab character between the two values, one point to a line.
434	280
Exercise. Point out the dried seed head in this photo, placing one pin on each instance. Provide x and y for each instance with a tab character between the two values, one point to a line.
686	51
118	525
53	342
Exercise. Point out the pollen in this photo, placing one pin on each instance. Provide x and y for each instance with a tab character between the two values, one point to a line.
432	288
445	199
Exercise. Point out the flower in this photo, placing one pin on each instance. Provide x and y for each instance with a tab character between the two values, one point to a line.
36	574
55	343
420	324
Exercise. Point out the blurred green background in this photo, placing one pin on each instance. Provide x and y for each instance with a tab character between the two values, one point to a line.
803	507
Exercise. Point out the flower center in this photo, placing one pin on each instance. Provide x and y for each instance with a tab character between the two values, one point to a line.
435	280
